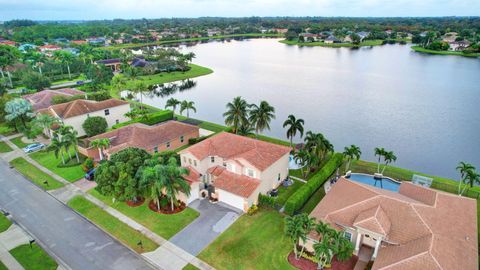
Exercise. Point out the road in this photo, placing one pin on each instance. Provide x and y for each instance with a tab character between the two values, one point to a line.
69	237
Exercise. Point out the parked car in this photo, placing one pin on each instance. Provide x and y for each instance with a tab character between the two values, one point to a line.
80	82
90	175
33	147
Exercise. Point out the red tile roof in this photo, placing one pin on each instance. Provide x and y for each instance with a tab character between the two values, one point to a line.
259	154
193	175
43	99
436	231
237	184
81	106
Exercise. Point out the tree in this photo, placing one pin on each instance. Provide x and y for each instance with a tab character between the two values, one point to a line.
187	105
94	125
388	157
65	58
34	80
18	109
99	74
261	116
308	224
302	158
295	231
237	113
57	145
8	56
246	130
140	88
355	38
100	144
118	82
70	136
352	152
172	103
380	152
463	168
294	126
318	145
45	122
323	253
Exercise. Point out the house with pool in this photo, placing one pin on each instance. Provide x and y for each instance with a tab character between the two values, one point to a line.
234	169
414	227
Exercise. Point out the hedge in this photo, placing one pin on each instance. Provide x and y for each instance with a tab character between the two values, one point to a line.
150	119
303	194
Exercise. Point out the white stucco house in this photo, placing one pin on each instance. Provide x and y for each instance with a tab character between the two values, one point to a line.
234	169
74	113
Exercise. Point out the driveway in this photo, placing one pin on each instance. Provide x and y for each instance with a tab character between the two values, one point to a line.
213	220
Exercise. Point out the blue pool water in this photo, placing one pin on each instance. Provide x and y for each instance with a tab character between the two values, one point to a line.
385	183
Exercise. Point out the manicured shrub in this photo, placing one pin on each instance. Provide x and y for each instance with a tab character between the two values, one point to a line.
301	196
252	210
158	117
95	125
88	164
266	201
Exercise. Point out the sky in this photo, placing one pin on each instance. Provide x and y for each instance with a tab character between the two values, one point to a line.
132	9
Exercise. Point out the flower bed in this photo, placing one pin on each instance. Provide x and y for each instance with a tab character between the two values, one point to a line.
305	264
167	209
136	203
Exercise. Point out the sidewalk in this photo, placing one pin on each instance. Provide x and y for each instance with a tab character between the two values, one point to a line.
10	239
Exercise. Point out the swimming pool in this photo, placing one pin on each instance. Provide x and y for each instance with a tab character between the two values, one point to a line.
385	182
292	164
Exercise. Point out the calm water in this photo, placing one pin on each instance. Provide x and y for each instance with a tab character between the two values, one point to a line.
423	107
384	183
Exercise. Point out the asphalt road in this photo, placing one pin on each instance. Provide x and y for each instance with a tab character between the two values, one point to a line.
65	234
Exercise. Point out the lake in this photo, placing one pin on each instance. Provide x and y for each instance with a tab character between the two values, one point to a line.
422	107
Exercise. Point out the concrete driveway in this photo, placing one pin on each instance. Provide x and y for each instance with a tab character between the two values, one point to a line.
213	220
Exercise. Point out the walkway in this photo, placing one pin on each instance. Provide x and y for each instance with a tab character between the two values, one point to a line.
13	237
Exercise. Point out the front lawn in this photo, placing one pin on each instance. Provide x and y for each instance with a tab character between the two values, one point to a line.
4	223
2	266
35	174
18	142
252	242
4	148
33	258
112	225
48	160
164	225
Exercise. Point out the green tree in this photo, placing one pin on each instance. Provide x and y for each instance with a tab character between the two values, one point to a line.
45	122
463	168
187	105
380	152
318	145
65	58
295	231
237	113
302	157
355	38
261	116
388	158
140	88
70	137
350	153
99	74
94	125
294	125
246	130
8	56
34	80
172	103
18	109
57	146
100	144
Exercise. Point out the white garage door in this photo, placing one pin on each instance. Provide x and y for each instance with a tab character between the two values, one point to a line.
230	199
194	192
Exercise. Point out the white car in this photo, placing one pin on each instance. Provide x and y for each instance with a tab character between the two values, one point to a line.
33	147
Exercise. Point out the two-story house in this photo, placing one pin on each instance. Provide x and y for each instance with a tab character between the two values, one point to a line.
74	113
234	169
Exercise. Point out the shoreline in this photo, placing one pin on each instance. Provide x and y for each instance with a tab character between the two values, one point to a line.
419	49
368	43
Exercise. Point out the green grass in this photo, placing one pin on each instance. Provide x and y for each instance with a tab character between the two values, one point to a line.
285	192
4	148
48	160
190	267
5	130
273	140
136	45
457	53
375	42
2	266
252	242
33	258
164	77
35	174
18	142
164	225
112	225
313	201
4	223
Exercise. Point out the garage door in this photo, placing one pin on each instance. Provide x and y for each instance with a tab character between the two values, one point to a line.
230	199
194	192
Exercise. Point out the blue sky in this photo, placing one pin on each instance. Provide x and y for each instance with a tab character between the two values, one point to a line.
127	9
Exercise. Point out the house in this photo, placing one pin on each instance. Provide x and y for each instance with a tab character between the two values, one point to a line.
234	169
8	42
347	39
280	30
43	99
309	37
78	42
113	63
332	39
61	40
49	48
26	47
458	45
363	35
96	40
73	51
168	135
414	228
74	113
450	37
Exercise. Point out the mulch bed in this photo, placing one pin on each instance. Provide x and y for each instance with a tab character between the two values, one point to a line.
305	264
167	210
139	202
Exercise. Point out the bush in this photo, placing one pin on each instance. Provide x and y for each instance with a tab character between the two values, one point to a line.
95	125
88	164
150	119
301	196
266	201
192	141
252	210
34	80
99	96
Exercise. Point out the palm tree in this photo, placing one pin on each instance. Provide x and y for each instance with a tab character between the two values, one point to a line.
323	252
246	130
72	137
317	144
352	152
140	88
174	182
187	105
173	103
45	122
388	157
295	231
261	116
308	224
57	146
463	168
471	178
294	126
151	177
302	158
237	113
380	152
65	58
100	144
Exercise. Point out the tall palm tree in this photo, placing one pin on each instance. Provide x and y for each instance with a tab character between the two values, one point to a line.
323	252
388	157
151	178
237	113
295	231
380	152
317	144
308	224
302	158
45	122
187	105
471	178
72	137
261	116
246	130
65	58
463	168
352	152
57	146
174	183
294	125
172	103
100	144
140	88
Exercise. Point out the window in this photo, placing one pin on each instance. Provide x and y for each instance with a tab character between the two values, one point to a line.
250	173
117	121
195	163
182	139
168	144
155	149
212	159
190	161
107	112
348	236
279	176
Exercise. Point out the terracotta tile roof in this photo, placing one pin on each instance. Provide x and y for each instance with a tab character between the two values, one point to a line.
144	136
81	106
237	184
193	175
429	230
259	154
43	99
